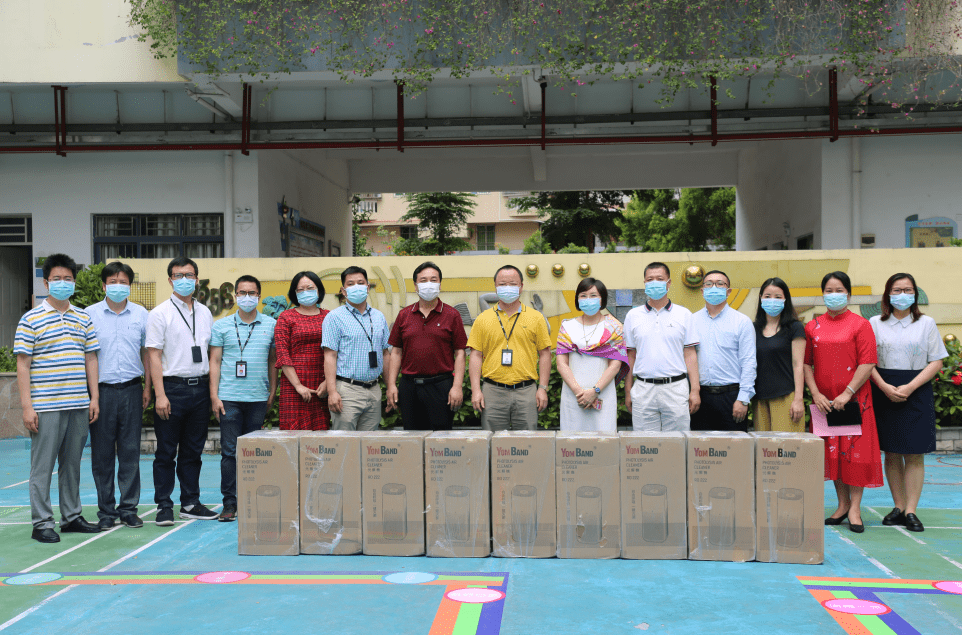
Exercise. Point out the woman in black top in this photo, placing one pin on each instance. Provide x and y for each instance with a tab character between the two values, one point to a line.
780	351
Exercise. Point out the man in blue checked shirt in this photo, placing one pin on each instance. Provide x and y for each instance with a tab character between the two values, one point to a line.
355	342
243	381
726	359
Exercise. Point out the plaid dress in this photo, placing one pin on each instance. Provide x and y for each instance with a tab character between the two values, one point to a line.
298	341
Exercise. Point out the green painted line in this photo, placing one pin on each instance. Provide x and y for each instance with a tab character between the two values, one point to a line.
867	585
844	595
473	578
468	617
874	625
144	577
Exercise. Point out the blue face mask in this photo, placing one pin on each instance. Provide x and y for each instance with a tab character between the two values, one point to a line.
656	289
62	289
247	303
184	286
307	298
508	294
773	306
590	306
357	293
714	295
118	292
902	301
836	301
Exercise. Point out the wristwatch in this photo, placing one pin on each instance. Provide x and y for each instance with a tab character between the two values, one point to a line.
746	403
544	388
597	390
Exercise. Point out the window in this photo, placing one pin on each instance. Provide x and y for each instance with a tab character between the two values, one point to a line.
158	236
805	242
485	237
16	230
408	232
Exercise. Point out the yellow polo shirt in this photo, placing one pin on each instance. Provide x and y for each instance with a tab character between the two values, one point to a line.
530	336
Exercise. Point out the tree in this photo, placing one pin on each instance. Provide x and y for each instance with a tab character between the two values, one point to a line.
536	244
441	215
360	215
694	219
576	217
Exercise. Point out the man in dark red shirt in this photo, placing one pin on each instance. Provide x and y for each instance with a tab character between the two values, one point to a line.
429	341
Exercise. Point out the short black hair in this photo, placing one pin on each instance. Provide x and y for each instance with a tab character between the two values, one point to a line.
588	283
59	260
181	261
728	280
841	276
246	278
427	265
292	292
114	268
656	265
512	267
352	270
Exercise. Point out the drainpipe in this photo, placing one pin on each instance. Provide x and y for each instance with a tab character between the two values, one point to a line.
856	193
228	204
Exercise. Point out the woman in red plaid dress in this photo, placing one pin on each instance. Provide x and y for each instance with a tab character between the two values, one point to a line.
297	336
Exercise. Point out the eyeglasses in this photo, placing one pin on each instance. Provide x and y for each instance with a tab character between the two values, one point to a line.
717	283
247	294
901	291
180	276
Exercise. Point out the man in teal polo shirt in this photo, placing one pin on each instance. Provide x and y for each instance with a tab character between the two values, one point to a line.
242	380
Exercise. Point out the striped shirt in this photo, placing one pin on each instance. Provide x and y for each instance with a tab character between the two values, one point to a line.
225	334
353	335
57	343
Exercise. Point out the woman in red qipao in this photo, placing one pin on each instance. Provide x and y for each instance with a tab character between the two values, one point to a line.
297	336
840	354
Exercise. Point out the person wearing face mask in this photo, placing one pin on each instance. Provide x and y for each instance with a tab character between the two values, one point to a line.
910	354
124	394
178	335
297	338
592	359
512	356
840	353
428	343
355	346
662	352
726	359
57	376
780	352
243	380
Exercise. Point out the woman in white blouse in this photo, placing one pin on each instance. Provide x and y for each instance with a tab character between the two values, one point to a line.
910	354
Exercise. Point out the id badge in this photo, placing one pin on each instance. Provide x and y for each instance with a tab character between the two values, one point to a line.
240	369
195	352
372	359
507	356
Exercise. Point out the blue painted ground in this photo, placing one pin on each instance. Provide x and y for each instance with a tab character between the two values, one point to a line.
543	596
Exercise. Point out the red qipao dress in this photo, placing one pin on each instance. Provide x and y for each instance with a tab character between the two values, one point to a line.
835	347
298	341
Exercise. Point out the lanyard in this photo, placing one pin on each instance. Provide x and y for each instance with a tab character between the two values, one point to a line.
507	335
249	333
370	338
193	319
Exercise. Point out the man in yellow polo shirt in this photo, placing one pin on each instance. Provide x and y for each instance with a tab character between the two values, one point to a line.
511	352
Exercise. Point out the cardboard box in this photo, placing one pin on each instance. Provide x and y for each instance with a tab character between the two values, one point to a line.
393	493
523	494
267	493
654	496
721	496
789	469
457	492
330	477
588	470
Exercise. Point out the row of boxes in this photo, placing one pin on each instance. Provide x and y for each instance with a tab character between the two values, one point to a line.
696	495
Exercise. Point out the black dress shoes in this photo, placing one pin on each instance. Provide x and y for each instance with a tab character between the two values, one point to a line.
895	517
857	529
836	521
47	535
80	526
912	523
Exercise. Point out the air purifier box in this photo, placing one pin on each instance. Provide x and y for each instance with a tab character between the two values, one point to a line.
654	496
457	493
393	493
587	468
523	494
330	476
721	496
789	491
267	493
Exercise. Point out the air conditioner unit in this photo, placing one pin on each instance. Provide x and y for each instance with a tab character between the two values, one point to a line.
868	241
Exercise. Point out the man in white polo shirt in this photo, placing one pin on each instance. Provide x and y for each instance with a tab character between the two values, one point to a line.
663	389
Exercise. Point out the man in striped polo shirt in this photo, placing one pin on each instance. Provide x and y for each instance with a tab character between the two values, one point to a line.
242	380
56	348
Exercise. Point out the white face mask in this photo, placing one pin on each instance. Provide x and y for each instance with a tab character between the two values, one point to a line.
428	291
508	294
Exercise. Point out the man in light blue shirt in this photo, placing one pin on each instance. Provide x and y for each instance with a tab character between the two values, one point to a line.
243	380
355	342
726	359
115	437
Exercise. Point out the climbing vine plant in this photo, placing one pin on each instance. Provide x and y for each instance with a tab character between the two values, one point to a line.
902	51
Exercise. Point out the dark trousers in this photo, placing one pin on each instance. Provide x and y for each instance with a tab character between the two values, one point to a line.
115	438
180	443
239	418
425	406
715	413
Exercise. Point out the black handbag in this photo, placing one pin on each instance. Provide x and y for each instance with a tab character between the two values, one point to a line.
851	415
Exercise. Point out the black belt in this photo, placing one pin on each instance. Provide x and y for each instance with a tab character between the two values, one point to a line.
427	379
124	384
357	382
662	380
523	384
190	381
719	390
